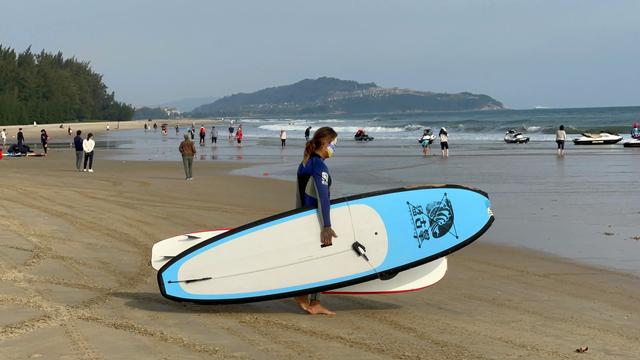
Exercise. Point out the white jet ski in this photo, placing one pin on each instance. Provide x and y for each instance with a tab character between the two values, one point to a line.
601	138
514	137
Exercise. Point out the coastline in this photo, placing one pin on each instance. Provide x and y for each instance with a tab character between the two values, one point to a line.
76	282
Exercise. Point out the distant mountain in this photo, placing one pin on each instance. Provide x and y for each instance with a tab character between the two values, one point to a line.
188	104
334	96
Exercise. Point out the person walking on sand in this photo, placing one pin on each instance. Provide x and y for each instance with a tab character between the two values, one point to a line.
44	140
77	144
188	150
214	135
444	142
203	135
307	132
20	137
561	137
3	137
313	189
88	145
239	135
283	138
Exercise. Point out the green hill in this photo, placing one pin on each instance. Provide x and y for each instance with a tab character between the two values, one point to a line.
334	96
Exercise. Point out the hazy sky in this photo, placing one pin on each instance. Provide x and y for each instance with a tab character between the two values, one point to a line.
524	53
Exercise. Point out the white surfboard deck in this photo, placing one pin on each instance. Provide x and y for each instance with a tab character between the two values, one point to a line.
410	280
379	233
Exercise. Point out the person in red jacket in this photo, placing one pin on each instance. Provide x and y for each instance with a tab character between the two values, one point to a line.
239	135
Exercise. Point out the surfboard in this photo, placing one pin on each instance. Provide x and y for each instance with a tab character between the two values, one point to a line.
380	234
414	279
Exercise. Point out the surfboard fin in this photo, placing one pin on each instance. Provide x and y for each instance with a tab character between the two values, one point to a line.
360	250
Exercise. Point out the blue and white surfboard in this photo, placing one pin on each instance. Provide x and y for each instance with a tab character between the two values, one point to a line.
379	234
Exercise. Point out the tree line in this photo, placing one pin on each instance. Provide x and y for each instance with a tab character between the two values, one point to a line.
48	88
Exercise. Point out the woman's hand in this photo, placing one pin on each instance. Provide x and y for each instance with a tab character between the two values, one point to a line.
326	235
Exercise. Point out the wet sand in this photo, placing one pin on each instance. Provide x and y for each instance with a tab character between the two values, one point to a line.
76	282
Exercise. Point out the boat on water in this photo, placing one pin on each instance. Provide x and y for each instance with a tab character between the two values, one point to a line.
601	138
514	137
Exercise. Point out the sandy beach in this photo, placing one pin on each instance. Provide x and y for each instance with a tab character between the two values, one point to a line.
76	282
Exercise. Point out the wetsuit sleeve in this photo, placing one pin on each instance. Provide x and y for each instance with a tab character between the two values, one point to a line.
321	181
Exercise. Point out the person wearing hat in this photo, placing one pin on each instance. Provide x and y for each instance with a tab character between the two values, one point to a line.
188	150
444	142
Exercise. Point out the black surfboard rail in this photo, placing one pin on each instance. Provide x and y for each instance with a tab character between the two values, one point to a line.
333	286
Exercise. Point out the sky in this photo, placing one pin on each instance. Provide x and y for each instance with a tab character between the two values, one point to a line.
562	53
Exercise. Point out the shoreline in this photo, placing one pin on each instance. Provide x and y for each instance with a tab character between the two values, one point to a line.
76	283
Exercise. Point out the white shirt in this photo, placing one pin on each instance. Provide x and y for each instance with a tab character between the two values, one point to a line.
283	135
444	138
561	135
3	135
88	145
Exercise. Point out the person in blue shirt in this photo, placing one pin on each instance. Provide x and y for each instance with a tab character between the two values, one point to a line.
313	189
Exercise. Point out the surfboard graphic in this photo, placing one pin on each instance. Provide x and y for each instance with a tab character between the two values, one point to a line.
414	279
380	234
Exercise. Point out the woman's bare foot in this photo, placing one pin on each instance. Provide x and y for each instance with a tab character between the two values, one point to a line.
315	308
303	302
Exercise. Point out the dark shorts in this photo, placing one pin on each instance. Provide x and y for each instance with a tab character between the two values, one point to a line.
444	145
239	141
560	144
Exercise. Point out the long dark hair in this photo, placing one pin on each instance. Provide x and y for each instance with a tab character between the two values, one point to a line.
321	137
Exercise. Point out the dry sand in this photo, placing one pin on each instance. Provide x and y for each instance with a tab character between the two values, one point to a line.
75	281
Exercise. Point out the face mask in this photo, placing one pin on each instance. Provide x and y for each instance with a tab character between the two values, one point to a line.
331	149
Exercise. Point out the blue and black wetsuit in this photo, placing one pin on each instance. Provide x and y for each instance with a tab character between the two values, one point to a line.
314	183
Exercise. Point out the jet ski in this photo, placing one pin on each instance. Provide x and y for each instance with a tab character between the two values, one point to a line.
514	137
601	138
362	136
635	136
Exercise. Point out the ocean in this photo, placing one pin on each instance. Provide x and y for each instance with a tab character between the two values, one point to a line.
583	207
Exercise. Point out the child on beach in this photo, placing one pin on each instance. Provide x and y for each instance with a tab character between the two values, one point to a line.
44	140
88	145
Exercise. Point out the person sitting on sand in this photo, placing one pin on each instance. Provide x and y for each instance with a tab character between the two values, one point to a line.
314	183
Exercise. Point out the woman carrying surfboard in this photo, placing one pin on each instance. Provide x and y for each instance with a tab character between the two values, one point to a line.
314	183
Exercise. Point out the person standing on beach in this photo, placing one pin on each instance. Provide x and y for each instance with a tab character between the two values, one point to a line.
20	137
561	137
307	132
88	145
3	137
44	140
69	130
203	135
77	144
177	129
313	189
444	142
231	132
214	135
239	135
283	138
426	140
188	150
